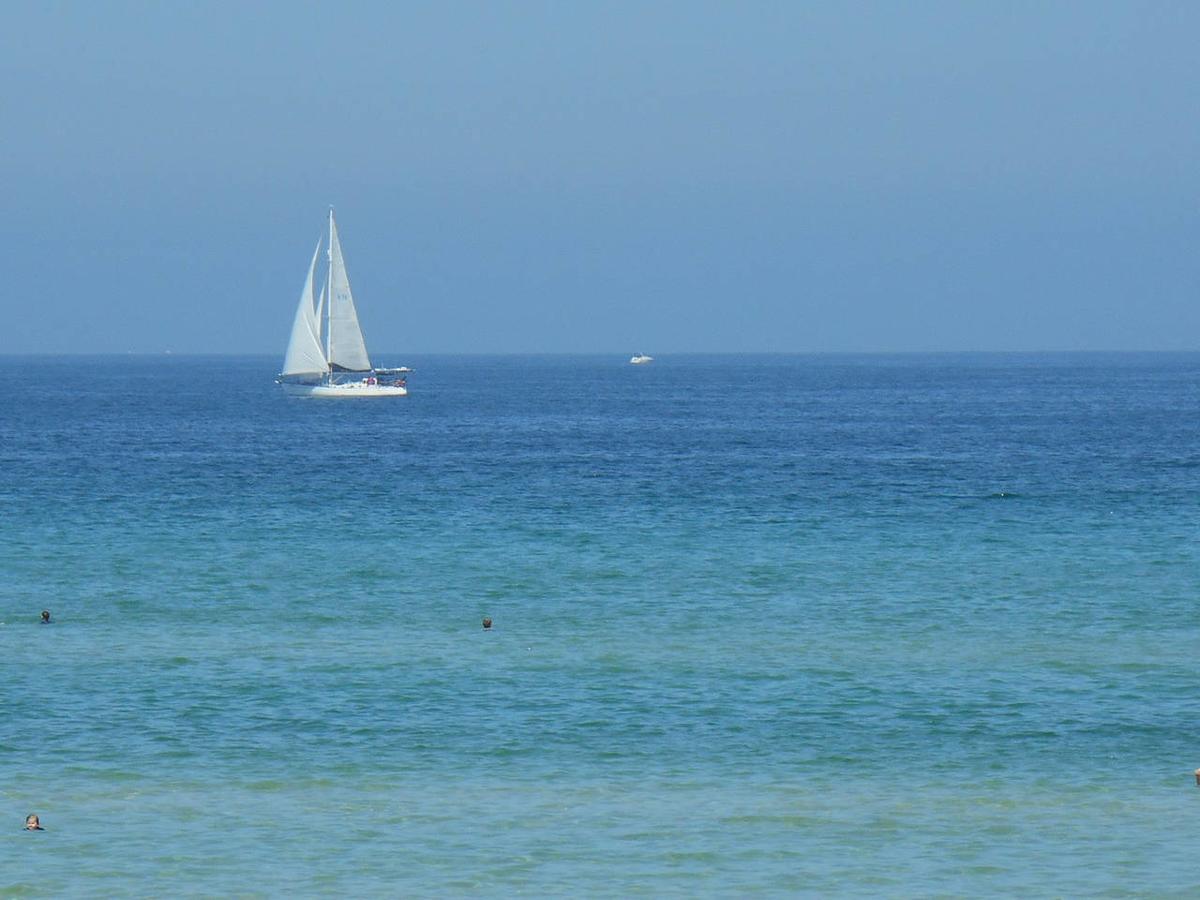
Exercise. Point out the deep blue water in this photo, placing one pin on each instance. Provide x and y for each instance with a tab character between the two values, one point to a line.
828	625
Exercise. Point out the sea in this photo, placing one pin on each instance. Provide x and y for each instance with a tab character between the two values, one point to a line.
777	626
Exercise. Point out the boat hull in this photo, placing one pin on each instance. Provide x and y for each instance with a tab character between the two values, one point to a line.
354	389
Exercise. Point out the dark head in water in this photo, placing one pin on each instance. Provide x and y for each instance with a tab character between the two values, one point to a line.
45	617
487	623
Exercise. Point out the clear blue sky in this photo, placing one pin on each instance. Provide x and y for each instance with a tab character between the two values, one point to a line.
618	176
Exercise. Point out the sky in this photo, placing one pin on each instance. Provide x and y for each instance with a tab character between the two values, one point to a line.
575	177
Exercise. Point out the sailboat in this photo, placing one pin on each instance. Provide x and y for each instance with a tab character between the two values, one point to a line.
640	359
338	366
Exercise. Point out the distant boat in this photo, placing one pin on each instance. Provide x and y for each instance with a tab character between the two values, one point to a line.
640	359
338	365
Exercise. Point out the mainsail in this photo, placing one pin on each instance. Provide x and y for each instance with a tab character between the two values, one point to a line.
346	347
304	355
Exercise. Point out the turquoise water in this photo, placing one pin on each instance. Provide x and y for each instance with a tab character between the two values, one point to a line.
854	626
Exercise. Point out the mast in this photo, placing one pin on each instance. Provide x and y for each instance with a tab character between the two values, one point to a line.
329	301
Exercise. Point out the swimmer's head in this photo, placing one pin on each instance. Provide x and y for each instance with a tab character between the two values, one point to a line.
32	823
487	623
45	615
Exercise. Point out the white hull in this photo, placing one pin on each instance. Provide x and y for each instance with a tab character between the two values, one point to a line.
352	389
641	360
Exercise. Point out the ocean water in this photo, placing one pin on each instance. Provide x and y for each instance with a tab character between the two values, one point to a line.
773	626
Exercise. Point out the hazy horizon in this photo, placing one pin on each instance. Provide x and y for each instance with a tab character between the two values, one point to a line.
388	357
669	178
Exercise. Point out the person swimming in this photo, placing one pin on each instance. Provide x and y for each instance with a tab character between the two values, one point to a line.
45	617
33	823
487	623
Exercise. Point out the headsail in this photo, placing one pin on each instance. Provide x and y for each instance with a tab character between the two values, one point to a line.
304	355
346	347
320	319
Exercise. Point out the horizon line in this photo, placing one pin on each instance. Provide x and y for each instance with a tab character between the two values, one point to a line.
619	353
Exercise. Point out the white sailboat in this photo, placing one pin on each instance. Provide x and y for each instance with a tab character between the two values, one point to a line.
338	367
640	359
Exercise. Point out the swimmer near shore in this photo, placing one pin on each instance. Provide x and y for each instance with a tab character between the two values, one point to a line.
33	823
45	617
487	623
